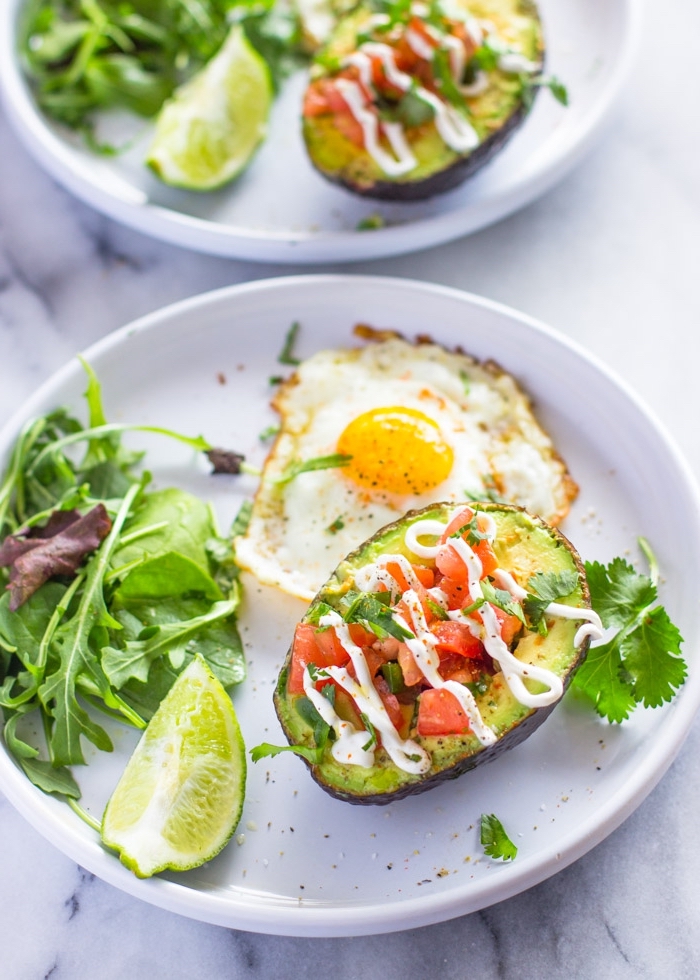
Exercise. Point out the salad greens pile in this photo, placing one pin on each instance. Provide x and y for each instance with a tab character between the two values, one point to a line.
84	55
111	589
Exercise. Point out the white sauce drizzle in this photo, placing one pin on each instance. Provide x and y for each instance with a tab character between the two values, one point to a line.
348	747
423	649
593	627
394	166
405	753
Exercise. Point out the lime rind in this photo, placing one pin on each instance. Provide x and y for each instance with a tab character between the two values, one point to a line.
181	795
207	133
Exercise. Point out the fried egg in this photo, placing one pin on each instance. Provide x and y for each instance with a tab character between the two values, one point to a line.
412	424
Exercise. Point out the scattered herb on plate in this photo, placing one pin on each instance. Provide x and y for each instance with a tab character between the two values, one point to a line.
495	840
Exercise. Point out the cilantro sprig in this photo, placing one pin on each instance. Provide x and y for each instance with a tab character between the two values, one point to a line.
642	662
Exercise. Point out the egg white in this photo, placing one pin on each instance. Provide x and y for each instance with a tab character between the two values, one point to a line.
299	531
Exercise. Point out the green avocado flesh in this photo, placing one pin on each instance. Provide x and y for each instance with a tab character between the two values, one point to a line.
524	546
494	114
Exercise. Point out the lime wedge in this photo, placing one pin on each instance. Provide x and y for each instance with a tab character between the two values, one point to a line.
207	132
180	797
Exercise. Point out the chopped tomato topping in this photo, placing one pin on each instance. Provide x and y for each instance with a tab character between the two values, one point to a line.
323	98
390	702
440	713
457	593
456	638
510	625
409	668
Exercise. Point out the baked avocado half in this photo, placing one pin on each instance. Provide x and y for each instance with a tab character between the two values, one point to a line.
406	100
445	639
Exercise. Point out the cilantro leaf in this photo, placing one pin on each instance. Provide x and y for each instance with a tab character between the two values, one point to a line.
641	663
369	610
599	677
494	839
546	587
618	592
503	600
651	657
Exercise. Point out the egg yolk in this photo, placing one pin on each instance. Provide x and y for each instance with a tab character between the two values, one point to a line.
395	449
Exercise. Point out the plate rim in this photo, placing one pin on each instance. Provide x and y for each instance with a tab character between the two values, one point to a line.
349	920
189	231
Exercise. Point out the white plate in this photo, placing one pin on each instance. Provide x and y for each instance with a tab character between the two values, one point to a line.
281	210
309	864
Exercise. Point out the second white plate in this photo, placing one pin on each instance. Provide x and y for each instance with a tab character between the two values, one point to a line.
281	210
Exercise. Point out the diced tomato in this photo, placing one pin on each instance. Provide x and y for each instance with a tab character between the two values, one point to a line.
456	638
331	651
456	668
390	702
374	661
440	713
425	575
510	625
409	668
460	520
322	98
361	636
304	651
457	593
314	646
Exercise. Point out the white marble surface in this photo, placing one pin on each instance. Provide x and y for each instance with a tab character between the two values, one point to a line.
610	257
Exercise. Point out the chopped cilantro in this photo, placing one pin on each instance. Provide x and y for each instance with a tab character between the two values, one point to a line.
268	433
503	600
286	355
546	587
371	731
297	466
337	525
371	223
370	609
494	839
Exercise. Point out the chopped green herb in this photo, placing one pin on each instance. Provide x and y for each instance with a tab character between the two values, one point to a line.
286	355
268	433
546	587
503	600
371	731
371	223
494	839
337	525
370	609
296	466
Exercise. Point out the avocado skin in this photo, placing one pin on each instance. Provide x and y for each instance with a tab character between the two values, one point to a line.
446	171
453	755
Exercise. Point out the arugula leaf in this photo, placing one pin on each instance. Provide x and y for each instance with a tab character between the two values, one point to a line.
641	663
135	659
495	840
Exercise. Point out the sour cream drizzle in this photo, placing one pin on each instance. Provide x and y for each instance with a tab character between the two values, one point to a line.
405	753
